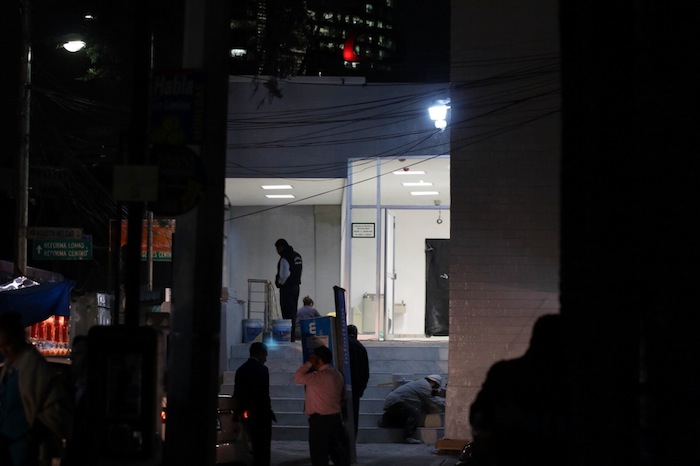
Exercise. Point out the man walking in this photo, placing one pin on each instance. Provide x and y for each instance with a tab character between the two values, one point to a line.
252	395
359	372
288	279
323	405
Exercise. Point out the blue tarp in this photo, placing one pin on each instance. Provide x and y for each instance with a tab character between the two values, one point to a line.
38	303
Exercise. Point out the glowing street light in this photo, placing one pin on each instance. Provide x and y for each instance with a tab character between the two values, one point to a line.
74	45
438	113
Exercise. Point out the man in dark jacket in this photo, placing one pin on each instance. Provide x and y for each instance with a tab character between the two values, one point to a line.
359	371
251	394
288	279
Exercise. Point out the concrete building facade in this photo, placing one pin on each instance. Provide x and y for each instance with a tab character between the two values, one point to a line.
505	152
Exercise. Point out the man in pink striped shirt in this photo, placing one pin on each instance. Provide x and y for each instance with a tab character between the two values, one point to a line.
323	405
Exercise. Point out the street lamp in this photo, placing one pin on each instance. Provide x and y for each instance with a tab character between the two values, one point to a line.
71	42
438	113
74	45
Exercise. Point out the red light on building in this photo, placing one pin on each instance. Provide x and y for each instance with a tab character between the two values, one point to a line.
349	48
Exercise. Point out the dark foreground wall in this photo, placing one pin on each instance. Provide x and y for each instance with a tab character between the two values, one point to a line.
630	228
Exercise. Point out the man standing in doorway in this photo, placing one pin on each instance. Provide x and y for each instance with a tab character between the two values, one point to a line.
288	279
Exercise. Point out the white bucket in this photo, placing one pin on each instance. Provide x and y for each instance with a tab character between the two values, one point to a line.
282	330
252	330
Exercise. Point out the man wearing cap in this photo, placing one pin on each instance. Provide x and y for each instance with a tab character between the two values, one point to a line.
407	404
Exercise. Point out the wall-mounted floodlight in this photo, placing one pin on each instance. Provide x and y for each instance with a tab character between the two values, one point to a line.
74	45
438	113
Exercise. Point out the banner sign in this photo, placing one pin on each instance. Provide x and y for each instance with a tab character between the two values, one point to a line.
163	230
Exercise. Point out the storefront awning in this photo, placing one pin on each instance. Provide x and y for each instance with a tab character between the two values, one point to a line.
38	303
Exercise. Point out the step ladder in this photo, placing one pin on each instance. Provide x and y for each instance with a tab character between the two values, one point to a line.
262	302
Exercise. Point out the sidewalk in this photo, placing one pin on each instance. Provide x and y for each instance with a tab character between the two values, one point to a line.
291	453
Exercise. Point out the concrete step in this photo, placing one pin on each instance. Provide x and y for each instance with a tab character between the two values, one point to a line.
295	390
364	435
367	419
296	405
391	363
379	384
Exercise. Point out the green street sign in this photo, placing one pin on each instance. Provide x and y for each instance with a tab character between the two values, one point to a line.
62	250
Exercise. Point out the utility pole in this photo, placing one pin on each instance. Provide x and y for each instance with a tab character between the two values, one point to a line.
25	93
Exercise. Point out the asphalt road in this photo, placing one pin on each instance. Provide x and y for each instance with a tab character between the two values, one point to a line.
289	453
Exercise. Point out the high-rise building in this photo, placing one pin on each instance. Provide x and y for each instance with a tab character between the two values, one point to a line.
367	38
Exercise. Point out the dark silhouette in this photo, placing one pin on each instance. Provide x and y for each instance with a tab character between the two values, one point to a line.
251	395
359	372
519	416
288	279
35	412
76	450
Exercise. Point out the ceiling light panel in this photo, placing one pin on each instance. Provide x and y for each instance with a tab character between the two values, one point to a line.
417	183
424	193
409	172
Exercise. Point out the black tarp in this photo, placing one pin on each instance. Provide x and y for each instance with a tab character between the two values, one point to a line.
437	290
39	302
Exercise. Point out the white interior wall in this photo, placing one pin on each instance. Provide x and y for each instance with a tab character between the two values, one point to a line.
315	232
413	227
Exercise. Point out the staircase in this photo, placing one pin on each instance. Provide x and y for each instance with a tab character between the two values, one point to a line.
390	362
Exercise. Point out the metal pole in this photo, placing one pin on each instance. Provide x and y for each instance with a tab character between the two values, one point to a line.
23	163
149	250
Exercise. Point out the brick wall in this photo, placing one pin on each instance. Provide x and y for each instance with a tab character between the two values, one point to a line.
505	162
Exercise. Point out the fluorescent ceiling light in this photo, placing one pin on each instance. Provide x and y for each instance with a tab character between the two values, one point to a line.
276	186
419	183
424	193
409	172
279	196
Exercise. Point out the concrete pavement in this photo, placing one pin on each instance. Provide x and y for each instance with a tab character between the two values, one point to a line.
296	453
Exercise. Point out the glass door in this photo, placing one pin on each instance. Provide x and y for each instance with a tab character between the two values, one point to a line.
389	268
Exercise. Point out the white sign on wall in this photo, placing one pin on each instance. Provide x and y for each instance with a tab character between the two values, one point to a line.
363	230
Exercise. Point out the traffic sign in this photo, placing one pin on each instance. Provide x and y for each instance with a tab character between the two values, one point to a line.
67	250
54	233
